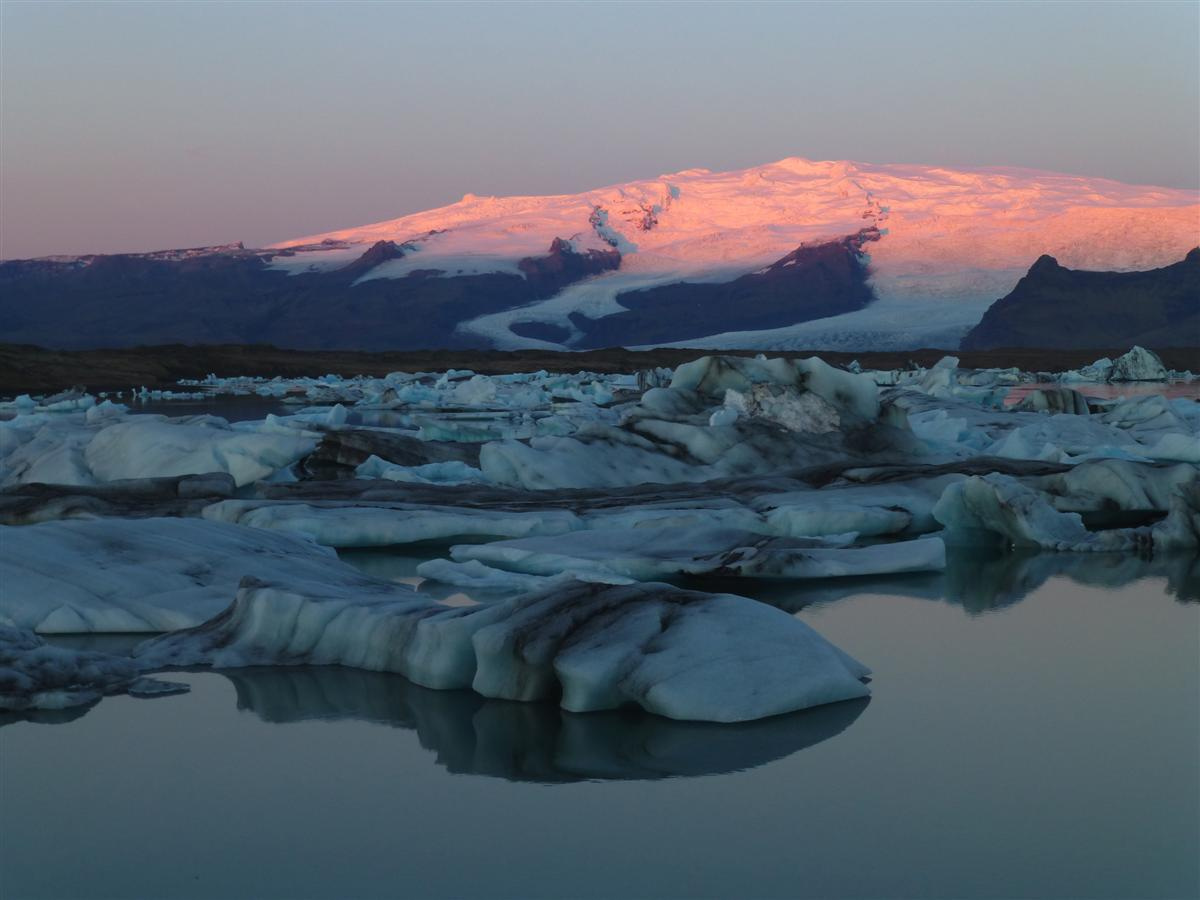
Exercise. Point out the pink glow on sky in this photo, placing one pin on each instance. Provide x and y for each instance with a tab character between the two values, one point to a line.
141	126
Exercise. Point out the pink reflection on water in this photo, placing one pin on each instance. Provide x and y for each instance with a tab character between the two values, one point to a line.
1172	389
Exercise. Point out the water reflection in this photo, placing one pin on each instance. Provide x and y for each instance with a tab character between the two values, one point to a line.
536	742
983	582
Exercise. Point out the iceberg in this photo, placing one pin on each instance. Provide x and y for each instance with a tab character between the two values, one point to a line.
143	575
993	508
1139	364
677	653
37	676
71	449
649	554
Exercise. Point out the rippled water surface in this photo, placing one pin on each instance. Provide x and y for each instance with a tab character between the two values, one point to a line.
1034	731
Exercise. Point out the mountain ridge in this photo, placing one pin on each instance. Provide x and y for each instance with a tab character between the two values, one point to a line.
1073	308
695	257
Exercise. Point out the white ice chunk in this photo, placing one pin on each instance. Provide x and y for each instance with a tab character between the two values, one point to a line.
647	554
681	654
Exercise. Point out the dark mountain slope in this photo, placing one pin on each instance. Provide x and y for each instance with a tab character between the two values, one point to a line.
811	282
1057	307
231	295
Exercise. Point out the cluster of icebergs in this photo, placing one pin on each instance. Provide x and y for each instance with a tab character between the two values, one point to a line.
567	523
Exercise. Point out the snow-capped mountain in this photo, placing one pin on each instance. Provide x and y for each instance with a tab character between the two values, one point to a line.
792	255
944	244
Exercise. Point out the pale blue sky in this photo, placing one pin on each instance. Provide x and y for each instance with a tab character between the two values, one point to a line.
152	125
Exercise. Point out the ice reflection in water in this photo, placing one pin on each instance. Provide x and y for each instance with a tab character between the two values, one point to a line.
536	742
1001	755
982	582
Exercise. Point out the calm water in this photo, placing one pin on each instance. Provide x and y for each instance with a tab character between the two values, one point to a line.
1029	736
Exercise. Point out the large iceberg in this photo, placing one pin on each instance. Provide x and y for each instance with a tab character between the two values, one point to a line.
678	653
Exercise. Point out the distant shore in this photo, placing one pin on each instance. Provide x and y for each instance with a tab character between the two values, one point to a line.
26	369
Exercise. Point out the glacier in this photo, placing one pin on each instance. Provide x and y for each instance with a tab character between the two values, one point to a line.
949	243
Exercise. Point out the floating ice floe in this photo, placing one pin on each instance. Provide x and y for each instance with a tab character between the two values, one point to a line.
143	575
136	498
1007	511
648	554
91	449
1148	428
680	654
37	676
790	413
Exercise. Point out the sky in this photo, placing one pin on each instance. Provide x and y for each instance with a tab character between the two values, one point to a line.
139	126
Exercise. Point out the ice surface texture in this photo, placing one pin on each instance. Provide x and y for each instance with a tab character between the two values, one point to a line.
36	676
142	575
681	654
561	503
86	449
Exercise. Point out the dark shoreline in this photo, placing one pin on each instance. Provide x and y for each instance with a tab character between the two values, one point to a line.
26	369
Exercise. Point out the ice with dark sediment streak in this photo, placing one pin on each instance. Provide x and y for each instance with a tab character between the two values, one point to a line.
713	421
37	676
678	653
1144	428
998	508
1139	364
774	472
135	498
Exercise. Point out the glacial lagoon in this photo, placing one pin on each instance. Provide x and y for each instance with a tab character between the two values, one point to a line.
1023	724
1029	712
